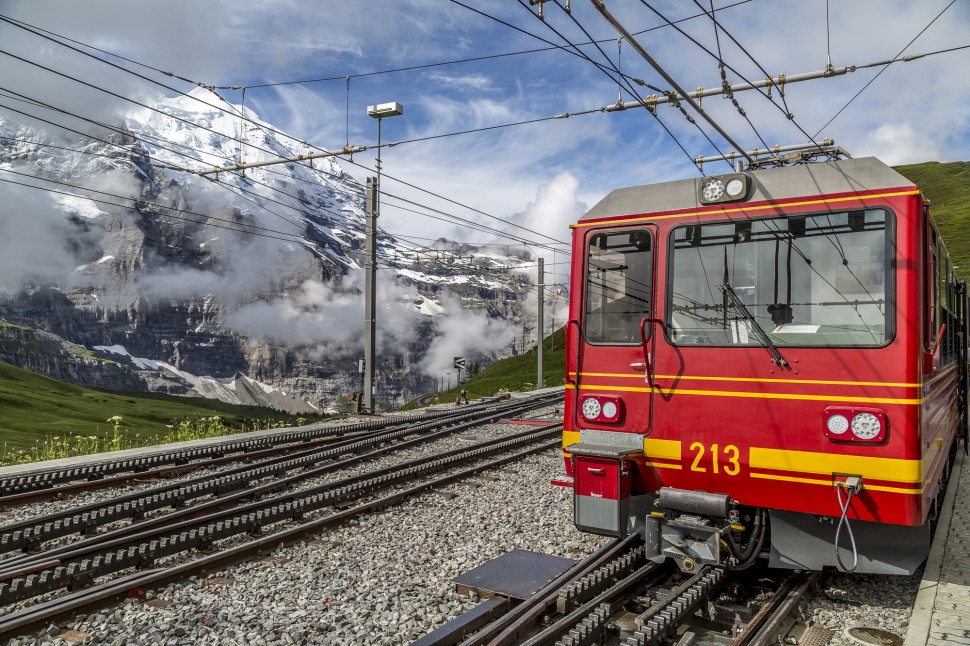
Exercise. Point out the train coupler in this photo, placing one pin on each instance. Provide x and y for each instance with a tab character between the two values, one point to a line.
689	527
690	541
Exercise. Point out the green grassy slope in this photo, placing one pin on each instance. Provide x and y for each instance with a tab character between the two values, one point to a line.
947	186
514	374
34	409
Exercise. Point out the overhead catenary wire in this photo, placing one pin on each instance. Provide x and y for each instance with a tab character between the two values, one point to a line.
601	7
620	78
784	102
873	79
689	118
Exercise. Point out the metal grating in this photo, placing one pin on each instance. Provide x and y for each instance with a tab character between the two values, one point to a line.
874	636
517	574
810	635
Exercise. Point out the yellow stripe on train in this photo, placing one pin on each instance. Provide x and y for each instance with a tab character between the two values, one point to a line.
755	395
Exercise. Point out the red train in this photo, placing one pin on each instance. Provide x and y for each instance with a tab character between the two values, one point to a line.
770	361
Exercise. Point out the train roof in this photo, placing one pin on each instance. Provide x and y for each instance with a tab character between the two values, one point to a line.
843	176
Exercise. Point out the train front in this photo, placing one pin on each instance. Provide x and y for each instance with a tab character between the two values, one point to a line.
747	351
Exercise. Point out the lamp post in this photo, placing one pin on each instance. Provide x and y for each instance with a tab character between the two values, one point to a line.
372	204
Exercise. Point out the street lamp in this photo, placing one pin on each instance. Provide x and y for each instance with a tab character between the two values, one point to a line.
372	204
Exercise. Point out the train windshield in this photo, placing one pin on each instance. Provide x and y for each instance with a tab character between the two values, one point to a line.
817	280
619	276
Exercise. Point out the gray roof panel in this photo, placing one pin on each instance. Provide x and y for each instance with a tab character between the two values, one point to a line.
774	184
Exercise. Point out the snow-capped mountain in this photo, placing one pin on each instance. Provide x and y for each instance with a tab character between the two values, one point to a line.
110	243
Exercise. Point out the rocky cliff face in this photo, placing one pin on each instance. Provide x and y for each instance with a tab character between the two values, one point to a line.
255	276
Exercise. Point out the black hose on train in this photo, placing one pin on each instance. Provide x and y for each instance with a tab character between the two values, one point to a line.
747	556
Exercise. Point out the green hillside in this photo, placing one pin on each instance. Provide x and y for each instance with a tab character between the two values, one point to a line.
947	186
35	410
514	374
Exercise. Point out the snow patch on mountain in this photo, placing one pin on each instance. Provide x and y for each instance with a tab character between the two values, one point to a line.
238	389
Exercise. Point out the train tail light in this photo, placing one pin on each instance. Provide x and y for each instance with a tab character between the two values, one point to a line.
854	424
605	409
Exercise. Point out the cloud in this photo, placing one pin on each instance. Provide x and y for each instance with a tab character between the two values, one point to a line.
900	143
35	239
463	333
556	207
328	318
468	82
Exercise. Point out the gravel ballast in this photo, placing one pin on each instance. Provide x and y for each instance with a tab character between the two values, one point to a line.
386	578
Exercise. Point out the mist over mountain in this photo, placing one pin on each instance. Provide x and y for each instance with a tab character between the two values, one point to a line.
167	276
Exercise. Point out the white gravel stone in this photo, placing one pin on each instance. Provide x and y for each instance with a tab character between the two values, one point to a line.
386	578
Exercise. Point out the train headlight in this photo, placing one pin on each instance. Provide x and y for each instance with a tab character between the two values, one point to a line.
866	424
723	188
712	189
591	408
837	424
610	410
605	409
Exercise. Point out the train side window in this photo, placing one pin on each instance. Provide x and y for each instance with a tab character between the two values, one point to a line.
933	283
619	279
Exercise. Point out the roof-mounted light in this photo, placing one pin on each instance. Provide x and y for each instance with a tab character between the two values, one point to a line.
723	188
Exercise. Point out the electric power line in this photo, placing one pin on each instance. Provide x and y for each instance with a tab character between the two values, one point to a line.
872	80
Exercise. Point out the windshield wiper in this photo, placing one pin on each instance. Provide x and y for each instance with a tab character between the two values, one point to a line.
762	336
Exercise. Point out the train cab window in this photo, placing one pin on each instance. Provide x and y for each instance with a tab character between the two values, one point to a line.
619	278
815	280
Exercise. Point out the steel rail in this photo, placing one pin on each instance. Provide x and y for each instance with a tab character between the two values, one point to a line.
26	535
507	629
46	478
764	627
145	549
590	618
19	621
140	529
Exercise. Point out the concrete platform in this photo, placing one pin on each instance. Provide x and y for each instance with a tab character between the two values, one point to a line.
941	615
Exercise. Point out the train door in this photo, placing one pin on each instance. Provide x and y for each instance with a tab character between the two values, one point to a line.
618	298
610	400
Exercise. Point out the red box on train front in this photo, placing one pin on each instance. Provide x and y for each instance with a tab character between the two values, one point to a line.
602	494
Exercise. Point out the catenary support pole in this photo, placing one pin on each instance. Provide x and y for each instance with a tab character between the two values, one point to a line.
542	327
370	296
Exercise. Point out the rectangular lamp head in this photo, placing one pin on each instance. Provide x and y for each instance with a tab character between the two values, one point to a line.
392	109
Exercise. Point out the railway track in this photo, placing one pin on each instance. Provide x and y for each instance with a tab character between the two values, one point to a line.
46	483
617	597
225	518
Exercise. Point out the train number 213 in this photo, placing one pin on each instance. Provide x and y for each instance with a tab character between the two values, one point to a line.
721	459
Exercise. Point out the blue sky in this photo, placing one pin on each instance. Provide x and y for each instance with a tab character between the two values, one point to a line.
545	174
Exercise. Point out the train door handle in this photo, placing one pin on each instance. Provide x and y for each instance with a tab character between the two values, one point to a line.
639	366
596	471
